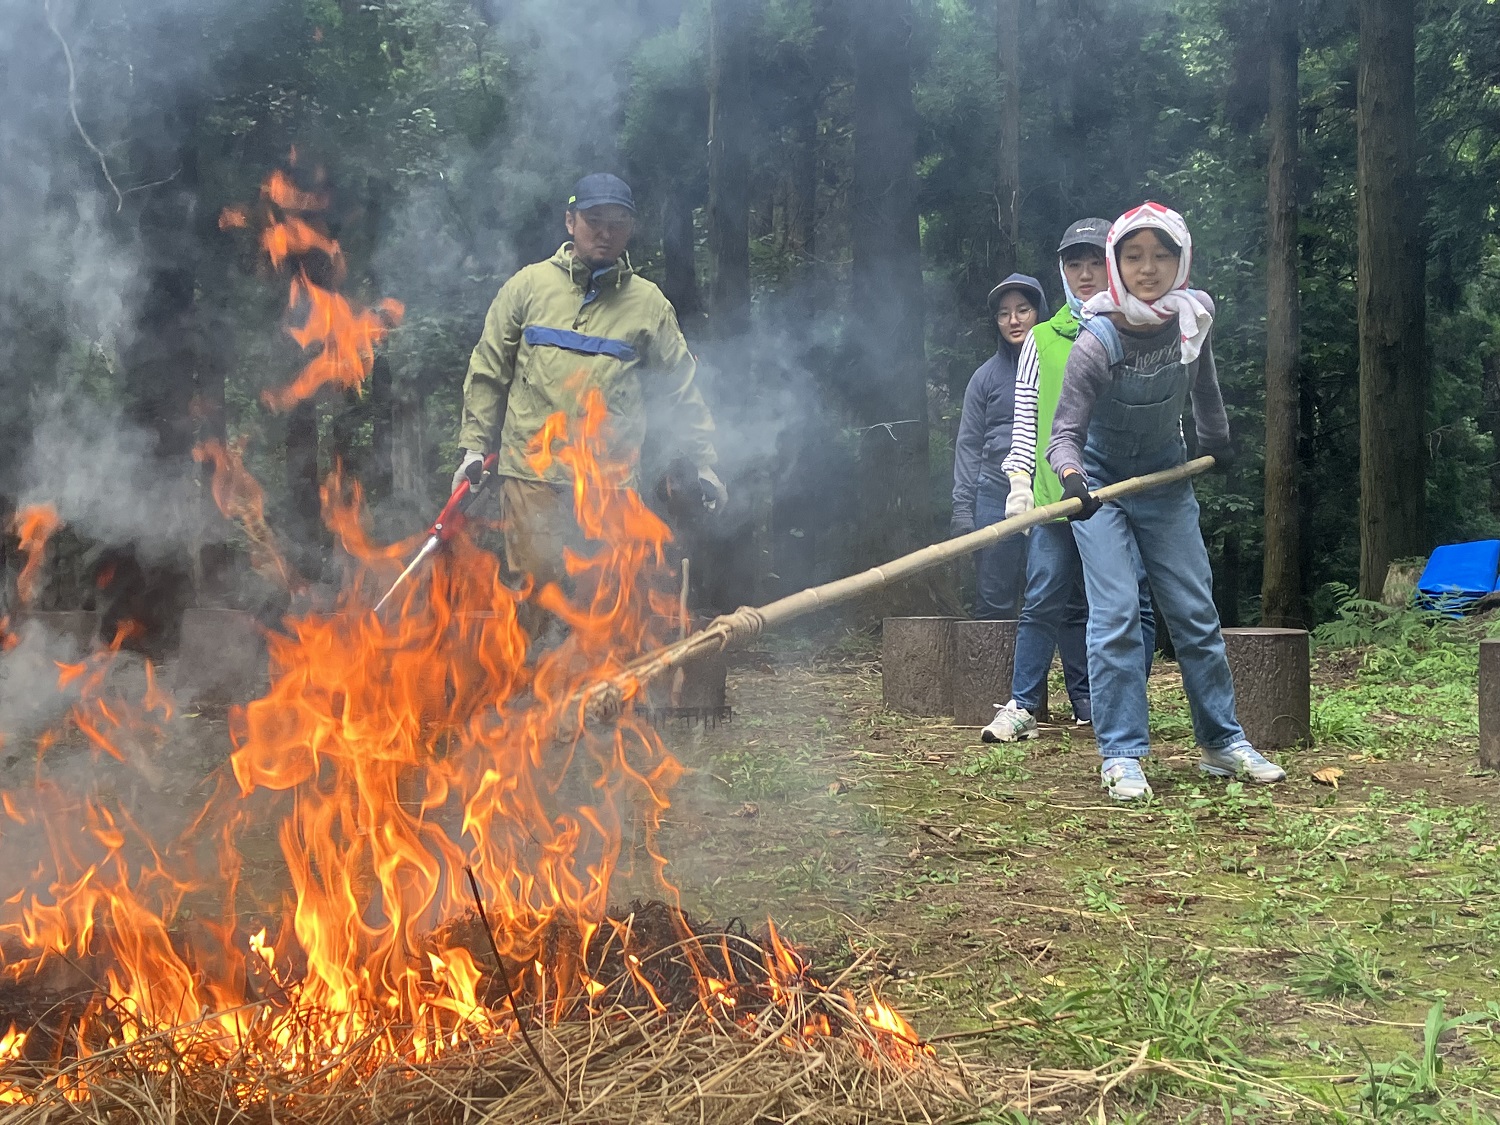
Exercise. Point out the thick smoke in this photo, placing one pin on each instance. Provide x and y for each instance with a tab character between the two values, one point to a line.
85	148
106	484
482	203
493	206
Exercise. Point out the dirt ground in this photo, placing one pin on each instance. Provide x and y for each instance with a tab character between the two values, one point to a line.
1303	932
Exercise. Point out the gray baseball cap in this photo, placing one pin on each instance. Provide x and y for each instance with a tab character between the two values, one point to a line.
1085	232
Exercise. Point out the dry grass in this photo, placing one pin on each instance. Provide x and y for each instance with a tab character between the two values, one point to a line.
616	1066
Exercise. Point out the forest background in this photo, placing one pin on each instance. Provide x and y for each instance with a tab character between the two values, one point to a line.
828	190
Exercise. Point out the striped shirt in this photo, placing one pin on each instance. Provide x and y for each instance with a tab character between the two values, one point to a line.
1022	456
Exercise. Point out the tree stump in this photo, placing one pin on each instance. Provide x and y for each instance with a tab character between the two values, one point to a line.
1489	703
916	661
1272	685
695	691
1401	578
984	661
222	657
77	629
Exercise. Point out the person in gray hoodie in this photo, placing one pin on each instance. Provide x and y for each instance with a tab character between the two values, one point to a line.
980	485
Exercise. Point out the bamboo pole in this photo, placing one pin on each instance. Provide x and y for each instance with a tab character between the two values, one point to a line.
606	697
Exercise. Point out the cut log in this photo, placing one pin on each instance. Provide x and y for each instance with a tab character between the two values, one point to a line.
916	661
1272	685
1489	703
76	629
222	657
694	691
984	661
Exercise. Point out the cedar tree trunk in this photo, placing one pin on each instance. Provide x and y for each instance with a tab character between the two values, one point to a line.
1392	314
1281	578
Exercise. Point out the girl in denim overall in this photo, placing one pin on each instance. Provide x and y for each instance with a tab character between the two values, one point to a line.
1145	350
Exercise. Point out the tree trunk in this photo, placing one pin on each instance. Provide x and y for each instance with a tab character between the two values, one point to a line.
408	457
729	168
916	665
382	408
886	324
679	247
802	200
1490	422
344	448
1281	597
1392	314
159	378
1061	206
1008	181
1229	580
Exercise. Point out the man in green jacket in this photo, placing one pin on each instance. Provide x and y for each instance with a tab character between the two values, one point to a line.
583	320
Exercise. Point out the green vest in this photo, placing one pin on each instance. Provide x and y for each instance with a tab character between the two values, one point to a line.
1054	340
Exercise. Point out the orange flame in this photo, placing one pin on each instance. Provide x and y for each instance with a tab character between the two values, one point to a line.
388	757
34	525
239	497
890	1024
340	336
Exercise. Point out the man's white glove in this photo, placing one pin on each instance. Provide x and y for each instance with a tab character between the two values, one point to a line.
715	495
471	457
1020	501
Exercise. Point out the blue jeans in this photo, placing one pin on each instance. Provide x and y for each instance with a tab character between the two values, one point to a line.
1055	617
1162	525
1001	568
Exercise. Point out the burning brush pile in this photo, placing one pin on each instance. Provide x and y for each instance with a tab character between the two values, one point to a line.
440	944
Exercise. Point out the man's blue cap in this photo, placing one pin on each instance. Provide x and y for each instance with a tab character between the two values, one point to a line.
598	189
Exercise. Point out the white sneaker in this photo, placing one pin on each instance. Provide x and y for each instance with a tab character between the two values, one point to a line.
1010	724
1240	760
1124	779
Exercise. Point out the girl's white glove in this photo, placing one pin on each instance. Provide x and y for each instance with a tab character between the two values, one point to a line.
1020	501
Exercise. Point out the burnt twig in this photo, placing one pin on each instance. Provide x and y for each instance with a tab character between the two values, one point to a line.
484	920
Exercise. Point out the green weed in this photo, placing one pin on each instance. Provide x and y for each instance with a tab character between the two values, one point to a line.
756	775
1144	998
1340	721
1339	971
1358	623
1099	896
1409	1084
1417	674
1001	761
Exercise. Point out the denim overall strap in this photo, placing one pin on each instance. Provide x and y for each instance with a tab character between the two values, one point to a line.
1142	411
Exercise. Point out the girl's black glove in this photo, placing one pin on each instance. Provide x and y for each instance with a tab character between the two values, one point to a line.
1224	455
1076	488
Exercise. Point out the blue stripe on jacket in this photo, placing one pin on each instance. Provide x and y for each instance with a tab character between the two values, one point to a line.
539	337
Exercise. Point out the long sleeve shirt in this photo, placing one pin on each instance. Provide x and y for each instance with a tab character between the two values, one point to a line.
1022	455
1088	377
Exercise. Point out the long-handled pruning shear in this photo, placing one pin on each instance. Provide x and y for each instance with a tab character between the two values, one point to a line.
449	520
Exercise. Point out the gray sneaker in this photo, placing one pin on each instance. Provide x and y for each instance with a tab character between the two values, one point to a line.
1240	760
1124	779
1010	724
